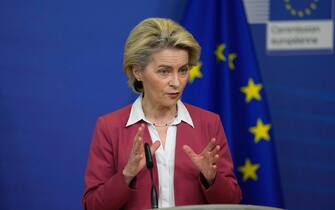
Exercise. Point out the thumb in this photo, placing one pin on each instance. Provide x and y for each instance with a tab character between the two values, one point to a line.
188	150
154	147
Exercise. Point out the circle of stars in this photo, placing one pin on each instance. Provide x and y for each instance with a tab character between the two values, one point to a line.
301	12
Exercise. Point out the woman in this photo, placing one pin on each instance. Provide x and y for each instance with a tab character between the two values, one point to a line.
192	163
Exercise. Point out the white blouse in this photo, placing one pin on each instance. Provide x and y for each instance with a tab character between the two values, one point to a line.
164	156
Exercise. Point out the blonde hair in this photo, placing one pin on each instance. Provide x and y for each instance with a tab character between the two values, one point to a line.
153	35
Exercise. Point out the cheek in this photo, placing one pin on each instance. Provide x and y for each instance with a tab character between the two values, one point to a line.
156	87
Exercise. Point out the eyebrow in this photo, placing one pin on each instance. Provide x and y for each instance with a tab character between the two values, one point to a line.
170	67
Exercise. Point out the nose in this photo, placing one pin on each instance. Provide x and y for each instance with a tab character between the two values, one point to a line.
174	80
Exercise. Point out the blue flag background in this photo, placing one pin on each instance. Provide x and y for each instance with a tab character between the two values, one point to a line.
227	81
61	68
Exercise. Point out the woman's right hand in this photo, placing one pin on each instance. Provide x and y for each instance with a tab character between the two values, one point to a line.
137	160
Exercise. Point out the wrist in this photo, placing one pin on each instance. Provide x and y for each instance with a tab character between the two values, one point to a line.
127	177
206	182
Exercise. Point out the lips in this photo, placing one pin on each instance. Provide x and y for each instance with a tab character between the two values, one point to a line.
173	95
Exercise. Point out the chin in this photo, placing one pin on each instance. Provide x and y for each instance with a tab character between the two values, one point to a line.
171	103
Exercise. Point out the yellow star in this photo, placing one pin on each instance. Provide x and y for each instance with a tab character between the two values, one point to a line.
195	73
219	52
249	170
231	58
252	91
260	131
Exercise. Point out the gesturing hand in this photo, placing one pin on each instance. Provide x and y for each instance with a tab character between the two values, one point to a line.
206	160
136	161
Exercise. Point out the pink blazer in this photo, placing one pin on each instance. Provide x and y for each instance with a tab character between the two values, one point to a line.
105	188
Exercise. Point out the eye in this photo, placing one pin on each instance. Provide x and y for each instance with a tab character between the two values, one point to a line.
183	70
163	72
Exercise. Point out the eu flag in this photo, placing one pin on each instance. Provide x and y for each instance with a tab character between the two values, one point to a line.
300	10
227	81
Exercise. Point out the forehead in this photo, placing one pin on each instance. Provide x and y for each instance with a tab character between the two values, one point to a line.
170	57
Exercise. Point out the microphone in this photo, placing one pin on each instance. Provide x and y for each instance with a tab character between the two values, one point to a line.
149	163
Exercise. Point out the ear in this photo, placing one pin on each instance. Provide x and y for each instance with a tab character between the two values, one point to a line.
138	74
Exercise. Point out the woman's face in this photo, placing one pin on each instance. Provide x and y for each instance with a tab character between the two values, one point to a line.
165	77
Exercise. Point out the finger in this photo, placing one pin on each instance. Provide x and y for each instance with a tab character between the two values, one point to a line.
138	134
188	150
138	139
154	147
215	159
212	156
212	153
138	158
216	150
137	148
141	146
211	145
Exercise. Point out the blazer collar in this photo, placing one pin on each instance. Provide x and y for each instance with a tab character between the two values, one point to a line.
137	114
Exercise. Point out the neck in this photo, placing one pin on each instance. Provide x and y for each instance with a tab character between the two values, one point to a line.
158	114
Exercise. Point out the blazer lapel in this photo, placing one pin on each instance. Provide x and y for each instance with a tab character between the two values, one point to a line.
183	165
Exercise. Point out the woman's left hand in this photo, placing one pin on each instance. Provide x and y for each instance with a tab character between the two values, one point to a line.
206	160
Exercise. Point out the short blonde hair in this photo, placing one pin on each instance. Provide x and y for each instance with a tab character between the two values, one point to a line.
153	35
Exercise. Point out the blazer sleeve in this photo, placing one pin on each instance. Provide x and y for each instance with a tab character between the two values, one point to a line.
225	188
105	187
